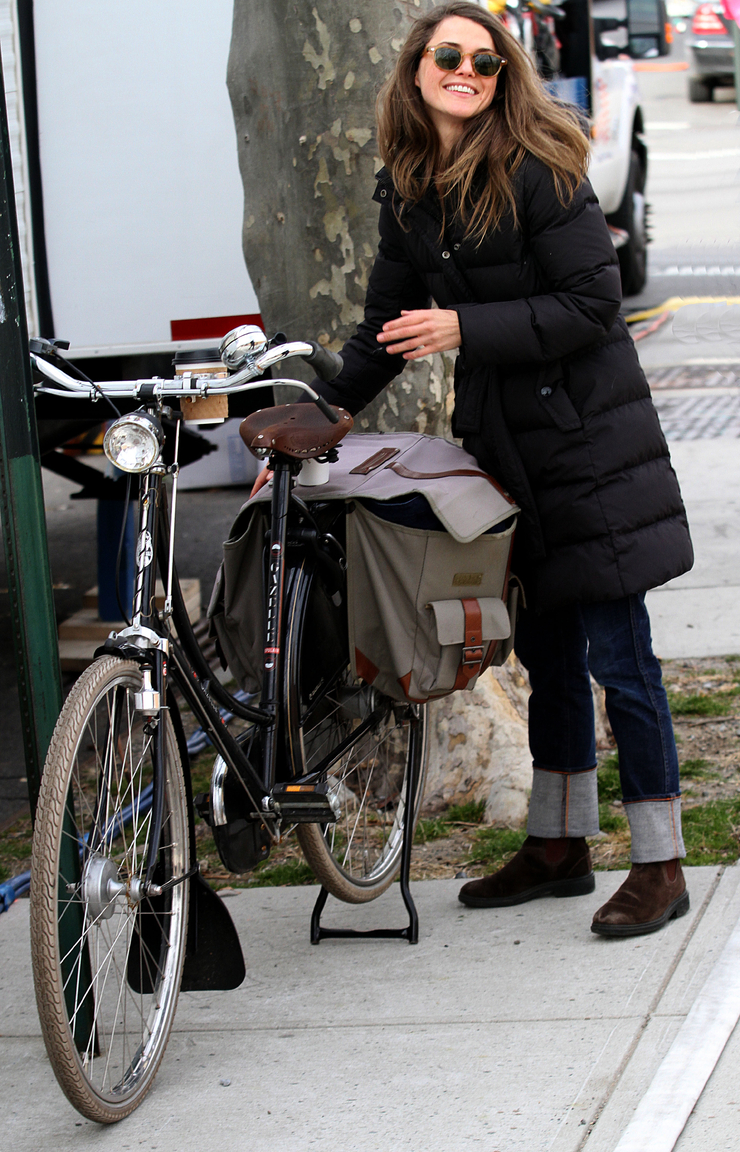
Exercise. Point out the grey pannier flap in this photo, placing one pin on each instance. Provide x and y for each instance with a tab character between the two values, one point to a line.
450	619
382	466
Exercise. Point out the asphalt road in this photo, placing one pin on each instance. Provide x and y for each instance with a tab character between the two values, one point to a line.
693	189
694	193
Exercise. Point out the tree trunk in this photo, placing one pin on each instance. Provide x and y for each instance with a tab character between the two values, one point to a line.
303	77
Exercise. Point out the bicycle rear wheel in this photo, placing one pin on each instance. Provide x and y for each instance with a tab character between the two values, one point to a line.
369	742
107	960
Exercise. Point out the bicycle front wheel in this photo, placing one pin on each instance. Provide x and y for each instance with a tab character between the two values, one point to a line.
370	743
107	957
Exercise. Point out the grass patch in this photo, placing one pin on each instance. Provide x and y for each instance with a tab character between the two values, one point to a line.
608	778
200	772
611	821
712	832
15	849
471	812
495	846
437	827
432	828
696	770
290	872
692	704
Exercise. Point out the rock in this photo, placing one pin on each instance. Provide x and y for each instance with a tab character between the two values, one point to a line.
479	749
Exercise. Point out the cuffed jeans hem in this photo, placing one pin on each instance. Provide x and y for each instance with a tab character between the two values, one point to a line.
563	804
655	826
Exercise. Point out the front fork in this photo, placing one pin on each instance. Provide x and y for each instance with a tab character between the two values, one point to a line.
150	700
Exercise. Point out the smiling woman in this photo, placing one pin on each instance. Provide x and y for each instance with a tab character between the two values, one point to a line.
485	209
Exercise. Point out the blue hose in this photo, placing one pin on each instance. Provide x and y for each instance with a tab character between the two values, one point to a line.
198	742
12	889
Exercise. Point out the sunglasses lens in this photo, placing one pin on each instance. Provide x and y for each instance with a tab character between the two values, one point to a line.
487	64
448	59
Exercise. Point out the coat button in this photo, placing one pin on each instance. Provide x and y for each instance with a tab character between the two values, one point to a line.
445	255
456	247
546	391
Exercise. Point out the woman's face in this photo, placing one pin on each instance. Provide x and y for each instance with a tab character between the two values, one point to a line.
452	98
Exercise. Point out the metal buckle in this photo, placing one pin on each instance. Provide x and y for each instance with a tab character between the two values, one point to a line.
472	656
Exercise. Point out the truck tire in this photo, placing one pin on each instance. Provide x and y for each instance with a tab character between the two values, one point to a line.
700	91
632	217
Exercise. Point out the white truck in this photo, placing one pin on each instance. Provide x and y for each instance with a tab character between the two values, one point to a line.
584	49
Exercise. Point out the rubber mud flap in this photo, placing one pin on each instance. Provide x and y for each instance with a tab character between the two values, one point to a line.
217	961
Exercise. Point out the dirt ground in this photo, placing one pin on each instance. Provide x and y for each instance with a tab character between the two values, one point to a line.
705	700
709	754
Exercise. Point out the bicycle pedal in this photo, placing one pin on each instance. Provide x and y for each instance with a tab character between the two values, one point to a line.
306	803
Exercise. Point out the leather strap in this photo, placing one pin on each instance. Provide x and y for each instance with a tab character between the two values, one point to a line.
374	461
473	652
409	474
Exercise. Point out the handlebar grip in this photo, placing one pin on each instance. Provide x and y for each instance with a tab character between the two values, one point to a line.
325	407
326	364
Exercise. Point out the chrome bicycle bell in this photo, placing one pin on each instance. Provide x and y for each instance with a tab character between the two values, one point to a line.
241	343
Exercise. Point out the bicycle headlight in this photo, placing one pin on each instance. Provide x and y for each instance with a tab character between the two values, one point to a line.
133	443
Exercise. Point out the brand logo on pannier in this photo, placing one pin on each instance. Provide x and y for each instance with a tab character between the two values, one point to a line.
466	579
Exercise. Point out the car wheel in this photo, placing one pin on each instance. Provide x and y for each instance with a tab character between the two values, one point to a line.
631	216
700	91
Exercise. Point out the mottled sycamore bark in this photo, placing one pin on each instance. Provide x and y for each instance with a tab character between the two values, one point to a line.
303	77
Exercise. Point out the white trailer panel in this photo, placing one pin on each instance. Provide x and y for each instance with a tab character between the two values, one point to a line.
143	200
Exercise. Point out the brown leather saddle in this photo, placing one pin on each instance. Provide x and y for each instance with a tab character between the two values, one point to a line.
298	430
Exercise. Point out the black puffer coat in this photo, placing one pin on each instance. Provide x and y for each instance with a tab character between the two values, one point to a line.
549	394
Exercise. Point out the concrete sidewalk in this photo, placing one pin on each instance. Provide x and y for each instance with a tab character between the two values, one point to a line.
512	1029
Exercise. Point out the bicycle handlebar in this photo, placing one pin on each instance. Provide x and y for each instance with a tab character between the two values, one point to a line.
325	363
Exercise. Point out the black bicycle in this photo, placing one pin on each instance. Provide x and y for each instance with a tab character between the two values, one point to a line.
120	918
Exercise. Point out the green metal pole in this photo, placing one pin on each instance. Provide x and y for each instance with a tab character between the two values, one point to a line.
22	498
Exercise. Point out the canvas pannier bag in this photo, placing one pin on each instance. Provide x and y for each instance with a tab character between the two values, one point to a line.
429	538
427	614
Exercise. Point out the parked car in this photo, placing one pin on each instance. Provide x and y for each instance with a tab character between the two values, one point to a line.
711	50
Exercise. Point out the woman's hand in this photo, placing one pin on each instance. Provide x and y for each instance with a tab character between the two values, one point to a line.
418	333
260	482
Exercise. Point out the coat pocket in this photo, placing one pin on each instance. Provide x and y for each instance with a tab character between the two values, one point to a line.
553	398
471	388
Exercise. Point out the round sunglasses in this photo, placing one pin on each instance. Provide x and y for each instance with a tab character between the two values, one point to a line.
449	59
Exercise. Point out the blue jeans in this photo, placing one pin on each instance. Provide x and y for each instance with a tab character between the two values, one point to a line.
611	640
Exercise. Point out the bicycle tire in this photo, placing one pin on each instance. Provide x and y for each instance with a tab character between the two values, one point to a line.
357	858
106	970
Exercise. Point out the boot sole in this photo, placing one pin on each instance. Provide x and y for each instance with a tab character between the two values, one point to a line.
679	907
581	886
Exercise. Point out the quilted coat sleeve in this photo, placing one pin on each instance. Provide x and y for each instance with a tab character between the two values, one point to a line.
574	257
393	285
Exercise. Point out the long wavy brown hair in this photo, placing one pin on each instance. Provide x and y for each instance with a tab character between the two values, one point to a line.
475	181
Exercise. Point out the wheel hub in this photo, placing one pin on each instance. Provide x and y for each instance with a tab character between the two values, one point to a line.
100	886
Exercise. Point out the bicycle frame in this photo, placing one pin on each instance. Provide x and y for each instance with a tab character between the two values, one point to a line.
176	657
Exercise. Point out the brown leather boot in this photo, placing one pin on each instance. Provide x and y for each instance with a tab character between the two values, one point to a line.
540	868
651	895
